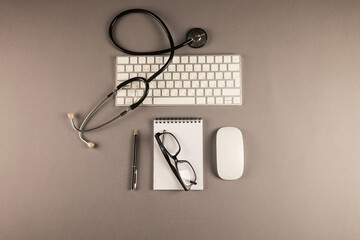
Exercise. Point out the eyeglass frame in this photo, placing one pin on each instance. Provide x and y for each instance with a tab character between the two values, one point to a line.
174	169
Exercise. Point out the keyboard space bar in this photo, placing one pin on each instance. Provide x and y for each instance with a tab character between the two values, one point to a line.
173	101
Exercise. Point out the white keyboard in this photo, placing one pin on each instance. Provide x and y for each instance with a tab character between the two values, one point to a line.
188	80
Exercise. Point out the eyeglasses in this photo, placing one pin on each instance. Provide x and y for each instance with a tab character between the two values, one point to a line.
170	148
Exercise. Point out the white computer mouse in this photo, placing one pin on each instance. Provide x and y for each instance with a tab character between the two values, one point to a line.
229	153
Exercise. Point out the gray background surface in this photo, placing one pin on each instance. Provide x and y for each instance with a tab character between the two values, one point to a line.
300	120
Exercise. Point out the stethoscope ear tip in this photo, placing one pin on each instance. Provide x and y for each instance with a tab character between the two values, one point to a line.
91	144
71	116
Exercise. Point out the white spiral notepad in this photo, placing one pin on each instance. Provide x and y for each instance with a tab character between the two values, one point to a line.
189	133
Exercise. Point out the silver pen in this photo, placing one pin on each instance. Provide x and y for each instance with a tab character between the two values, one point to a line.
134	174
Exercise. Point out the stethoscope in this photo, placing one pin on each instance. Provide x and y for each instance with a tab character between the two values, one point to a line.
196	38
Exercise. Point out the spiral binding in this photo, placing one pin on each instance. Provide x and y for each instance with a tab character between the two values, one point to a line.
177	120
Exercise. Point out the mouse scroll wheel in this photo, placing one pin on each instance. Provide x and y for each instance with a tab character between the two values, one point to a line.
198	36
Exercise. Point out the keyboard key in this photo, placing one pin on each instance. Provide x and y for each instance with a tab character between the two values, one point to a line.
214	67
135	84
160	76
210	59
120	101
129	68
193	59
156	92
229	83
139	92
201	59
187	84
236	59
120	68
165	92
204	84
219	75
150	60
184	59
173	92
142	60
202	75
180	67
200	100
146	68
227	75
229	92
152	84
176	76
159	60
184	75
182	92
147	101
210	75
208	92
234	67
161	84
217	92
122	76
206	67
128	101
199	92
219	100
212	84
210	100
154	68
137	68
169	84
122	60
167	76
191	92
178	84
228	100
174	101
197	67
133	60
195	84
237	100
223	67
227	59
131	92
218	59
221	83
189	67
193	75
176	59
171	68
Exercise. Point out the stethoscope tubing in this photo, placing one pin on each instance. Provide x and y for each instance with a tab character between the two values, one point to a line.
170	50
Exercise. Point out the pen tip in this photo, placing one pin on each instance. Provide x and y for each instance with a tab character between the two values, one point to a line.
136	132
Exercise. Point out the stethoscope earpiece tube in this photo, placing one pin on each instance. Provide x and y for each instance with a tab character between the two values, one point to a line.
196	38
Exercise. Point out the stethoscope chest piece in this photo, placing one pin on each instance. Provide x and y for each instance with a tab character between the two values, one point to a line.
198	36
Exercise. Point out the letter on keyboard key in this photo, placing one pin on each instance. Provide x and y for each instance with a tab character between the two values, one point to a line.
174	101
231	92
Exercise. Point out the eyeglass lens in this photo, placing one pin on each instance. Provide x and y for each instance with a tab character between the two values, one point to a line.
170	143
184	168
186	172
